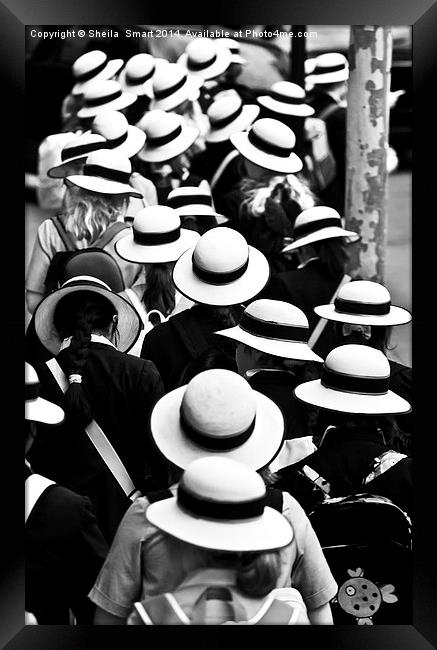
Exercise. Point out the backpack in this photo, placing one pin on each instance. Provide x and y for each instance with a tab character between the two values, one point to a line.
320	160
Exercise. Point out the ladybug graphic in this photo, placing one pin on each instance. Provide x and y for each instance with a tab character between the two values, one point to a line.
362	598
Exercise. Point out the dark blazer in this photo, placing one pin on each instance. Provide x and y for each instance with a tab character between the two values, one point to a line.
205	164
64	552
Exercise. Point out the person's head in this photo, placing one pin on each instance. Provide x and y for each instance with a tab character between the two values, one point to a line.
168	138
373	335
249	358
329	73
237	61
160	290
386	425
87	214
332	254
211	358
206	59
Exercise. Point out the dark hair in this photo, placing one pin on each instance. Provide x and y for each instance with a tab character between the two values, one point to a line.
332	255
227	316
199	224
379	339
211	358
78	315
160	290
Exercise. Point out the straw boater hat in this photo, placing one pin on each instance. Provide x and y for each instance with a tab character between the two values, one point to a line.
269	144
316	224
228	115
138	70
193	201
274	327
171	86
234	47
77	149
328	68
355	379
221	505
93	66
217	413
156	236
167	136
287	98
38	409
121	137
205	58
106	172
104	96
129	322
362	302
222	269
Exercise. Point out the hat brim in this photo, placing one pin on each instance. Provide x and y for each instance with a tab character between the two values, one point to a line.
195	210
237	58
289	165
190	91
125	100
270	531
129	323
319	235
258	451
111	69
248	115
312	392
396	316
328	78
61	171
299	110
174	148
102	185
284	349
220	65
130	251
41	410
134	142
248	286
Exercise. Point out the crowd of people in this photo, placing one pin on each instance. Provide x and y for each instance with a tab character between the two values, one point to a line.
202	374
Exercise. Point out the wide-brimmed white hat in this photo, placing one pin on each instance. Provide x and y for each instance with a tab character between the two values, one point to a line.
106	172
38	409
217	413
205	58
93	66
318	223
287	98
234	47
121	137
355	379
222	269
167	135
171	86
193	201
77	149
104	96
363	302
328	68
269	144
228	115
138	70
129	323
274	327
221	505
156	237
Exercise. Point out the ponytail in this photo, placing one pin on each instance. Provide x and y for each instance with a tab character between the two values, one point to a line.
160	290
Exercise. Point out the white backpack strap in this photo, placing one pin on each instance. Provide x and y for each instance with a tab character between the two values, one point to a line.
221	168
273	612
100	441
136	302
317	331
384	462
316	479
143	614
34	486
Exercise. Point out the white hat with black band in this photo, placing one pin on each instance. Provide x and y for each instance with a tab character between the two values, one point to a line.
104	96
328	68
105	172
286	98
167	136
120	136
78	149
93	66
205	58
316	224
228	115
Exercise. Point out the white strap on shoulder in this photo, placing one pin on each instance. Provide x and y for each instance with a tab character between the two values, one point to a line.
136	302
177	609
317	331
143	614
34	486
221	168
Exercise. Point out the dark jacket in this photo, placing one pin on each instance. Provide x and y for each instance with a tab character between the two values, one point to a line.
64	552
205	164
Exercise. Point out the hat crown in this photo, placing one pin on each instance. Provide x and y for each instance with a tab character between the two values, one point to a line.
229	43
277	311
223	480
188	190
288	89
158	123
110	160
224	106
156	219
86	279
110	124
167	76
201	50
221	250
85	138
88	61
100	88
358	361
30	375
364	291
219	403
140	64
274	132
330	59
315	213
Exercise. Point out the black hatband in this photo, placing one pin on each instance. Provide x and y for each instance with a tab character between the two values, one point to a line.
86	76
135	81
115	142
182	200
219	509
362	308
285	99
271	330
108	174
99	101
268	147
156	238
354	384
224	121
81	150
164	139
166	92
223	443
330	68
314	226
212	277
200	65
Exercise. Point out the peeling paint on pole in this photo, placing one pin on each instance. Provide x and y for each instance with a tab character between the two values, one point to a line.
366	148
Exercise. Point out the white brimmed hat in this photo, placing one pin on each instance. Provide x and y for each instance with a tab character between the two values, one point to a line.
205	58
228	115
234	47
104	96
269	144
328	68
167	136
355	379
217	413
129	322
121	137
156	237
138	70
274	327
193	201
362	302
171	86
106	172
38	409
287	98
222	269
318	223
221	505
93	66
77	149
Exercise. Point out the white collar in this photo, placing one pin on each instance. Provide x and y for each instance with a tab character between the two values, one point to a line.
95	338
303	264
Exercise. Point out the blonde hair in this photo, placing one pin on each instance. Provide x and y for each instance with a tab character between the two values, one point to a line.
257	191
86	215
